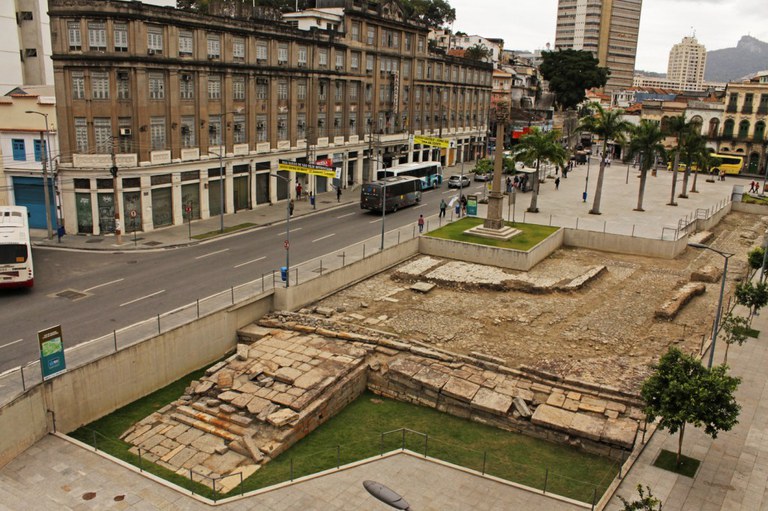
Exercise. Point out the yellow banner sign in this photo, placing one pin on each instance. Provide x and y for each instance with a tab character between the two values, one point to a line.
305	168
432	141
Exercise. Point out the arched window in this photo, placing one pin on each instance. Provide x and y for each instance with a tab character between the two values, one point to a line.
714	126
759	131
744	129
696	122
754	161
665	124
728	128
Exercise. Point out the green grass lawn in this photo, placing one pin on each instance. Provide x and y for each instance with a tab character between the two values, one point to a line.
217	232
751	199
531	235
667	459
356	433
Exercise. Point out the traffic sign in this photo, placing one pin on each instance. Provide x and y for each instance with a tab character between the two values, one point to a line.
134	213
286	244
188	209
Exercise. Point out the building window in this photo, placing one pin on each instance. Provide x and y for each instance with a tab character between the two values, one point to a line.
238	88
262	88
322	92
371	36
352	123
406	69
120	35
81	134
19	153
214	46
123	85
186	87
215	136
155	40
368	93
78	86
369	63
339	60
338	128
408	42
339	91
322	129
354	87
396	40
238	48
214	87
421	45
97	36
301	126
354	61
282	90
75	38
188	131
282	54
156	86
39	147
238	128
102	130
759	131
157	132
261	52
419	70
302	56
261	128
100	85
728	128
744	129
282	127
323	57
125	142
186	43
355	31
301	90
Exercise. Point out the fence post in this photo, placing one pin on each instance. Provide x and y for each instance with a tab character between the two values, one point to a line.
262	282
426	440
594	497
363	250
158	323
546	479
382	444
198	308
114	337
141	469
398	236
214	489
343	259
550	219
402	447
191	479
297	277
233	294
604	222
273	279
485	458
94	440
291	469
633	230
338	456
577	223
23	383
321	266
242	490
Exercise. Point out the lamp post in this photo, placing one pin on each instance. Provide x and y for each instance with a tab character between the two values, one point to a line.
725	256
383	212
287	229
45	157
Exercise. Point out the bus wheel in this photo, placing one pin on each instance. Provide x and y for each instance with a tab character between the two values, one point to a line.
394	208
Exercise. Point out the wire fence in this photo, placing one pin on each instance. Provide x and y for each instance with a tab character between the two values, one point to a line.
286	468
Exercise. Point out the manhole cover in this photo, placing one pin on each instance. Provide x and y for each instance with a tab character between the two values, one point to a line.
152	243
71	294
94	241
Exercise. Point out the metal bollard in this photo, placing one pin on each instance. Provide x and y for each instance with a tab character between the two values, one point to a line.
198	308
114	337
158	323
321	266
546	479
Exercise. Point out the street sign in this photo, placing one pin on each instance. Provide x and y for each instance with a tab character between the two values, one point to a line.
306	168
432	141
286	244
133	213
51	352
188	209
472	205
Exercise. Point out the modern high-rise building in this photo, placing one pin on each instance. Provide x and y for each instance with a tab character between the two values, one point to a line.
687	60
607	28
25	48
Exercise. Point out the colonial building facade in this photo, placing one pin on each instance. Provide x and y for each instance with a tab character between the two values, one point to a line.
743	130
184	104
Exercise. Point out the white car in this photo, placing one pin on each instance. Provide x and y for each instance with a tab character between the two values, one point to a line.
458	182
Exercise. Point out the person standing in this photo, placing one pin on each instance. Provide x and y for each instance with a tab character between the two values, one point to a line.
421	224
443	207
298	190
338	193
290	208
557	183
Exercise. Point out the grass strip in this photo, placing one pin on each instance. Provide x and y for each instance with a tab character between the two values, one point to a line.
667	460
530	236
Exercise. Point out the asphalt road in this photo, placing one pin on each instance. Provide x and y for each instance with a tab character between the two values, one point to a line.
112	291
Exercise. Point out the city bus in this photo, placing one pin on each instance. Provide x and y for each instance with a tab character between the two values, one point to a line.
395	193
430	173
15	250
728	163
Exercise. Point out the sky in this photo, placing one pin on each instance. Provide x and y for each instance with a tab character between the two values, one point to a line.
530	24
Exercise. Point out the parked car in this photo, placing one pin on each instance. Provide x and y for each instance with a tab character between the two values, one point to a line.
458	182
486	176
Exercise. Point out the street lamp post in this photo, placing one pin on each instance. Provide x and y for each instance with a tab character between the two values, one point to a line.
725	256
287	229
45	157
383	212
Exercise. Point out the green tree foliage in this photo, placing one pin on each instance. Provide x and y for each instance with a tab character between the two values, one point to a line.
435	13
647	143
693	145
734	331
682	391
608	125
678	127
751	295
478	52
645	502
484	166
538	146
570	73
755	258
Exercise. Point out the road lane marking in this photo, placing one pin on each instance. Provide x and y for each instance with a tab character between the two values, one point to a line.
348	214
10	343
324	238
292	230
420	206
102	285
251	261
143	298
374	221
212	253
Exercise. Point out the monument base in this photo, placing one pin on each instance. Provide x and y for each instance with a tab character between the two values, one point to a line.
504	233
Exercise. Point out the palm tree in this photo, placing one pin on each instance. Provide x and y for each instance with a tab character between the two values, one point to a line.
694	146
538	146
677	126
608	125
648	143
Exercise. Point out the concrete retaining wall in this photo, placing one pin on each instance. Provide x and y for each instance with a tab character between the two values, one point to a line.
483	254
753	209
622	244
22	422
708	223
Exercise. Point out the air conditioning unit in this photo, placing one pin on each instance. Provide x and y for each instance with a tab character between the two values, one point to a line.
150	51
185	130
260	126
237	128
125	132
281	125
186	78
301	125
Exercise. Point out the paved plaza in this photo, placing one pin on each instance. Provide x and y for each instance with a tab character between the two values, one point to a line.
56	475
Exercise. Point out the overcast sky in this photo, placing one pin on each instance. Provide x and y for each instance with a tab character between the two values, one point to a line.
530	24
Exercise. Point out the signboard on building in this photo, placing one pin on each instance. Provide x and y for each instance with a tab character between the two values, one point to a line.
51	352
306	168
432	141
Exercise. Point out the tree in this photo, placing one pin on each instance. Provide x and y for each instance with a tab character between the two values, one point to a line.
435	13
755	258
753	296
608	125
647	143
676	126
682	391
734	331
538	146
484	166
693	145
478	52
646	502
570	73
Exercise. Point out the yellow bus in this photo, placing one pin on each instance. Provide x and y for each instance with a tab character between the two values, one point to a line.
727	162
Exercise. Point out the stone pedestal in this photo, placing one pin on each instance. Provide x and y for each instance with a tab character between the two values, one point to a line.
494	218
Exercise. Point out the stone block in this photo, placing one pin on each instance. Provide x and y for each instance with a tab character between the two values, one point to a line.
203	387
459	389
282	417
427	353
571	405
552	417
423	287
225	463
256	405
207	443
242	400
224	378
587	426
492	402
242	351
224	408
592	404
620	432
556	400
310	379
287	375
252	448
228	396
521	407
253	332
215	367
283	398
431	378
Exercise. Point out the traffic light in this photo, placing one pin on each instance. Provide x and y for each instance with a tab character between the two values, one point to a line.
113	170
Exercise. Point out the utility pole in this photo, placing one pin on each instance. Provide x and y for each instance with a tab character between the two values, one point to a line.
44	159
113	171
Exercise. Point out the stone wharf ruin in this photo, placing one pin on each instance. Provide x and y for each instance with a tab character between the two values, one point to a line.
294	371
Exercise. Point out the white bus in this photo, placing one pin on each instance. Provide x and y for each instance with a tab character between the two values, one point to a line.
430	173
15	250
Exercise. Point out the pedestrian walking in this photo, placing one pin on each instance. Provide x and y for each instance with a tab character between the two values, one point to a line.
464	205
421	223
443	207
338	193
290	208
298	190
557	183
566	169
458	209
